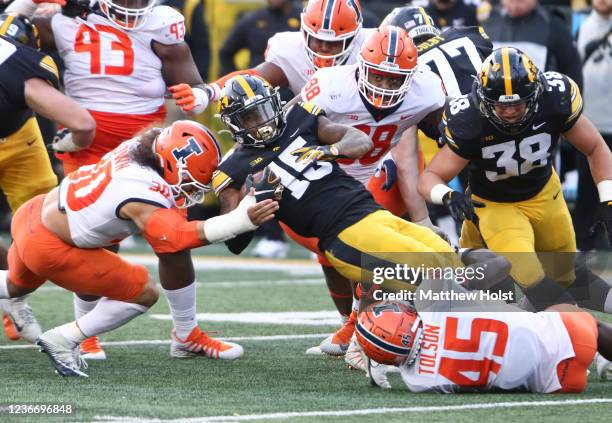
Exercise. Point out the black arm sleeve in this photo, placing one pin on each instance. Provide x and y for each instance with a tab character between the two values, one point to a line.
199	41
235	41
238	244
563	48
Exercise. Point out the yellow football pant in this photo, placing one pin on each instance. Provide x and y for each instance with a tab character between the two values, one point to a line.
382	235
539	224
25	168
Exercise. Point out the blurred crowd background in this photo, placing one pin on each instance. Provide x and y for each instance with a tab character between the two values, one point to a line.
572	37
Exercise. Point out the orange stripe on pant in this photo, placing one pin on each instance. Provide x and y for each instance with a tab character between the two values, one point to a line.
582	330
37	255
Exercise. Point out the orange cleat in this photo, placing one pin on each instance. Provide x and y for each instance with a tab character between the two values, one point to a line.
92	350
9	328
338	343
199	344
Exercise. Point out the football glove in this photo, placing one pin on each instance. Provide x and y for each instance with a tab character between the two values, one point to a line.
63	143
324	153
390	169
189	99
604	219
267	187
461	206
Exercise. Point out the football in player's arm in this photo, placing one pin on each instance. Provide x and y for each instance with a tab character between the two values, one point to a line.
178	68
506	130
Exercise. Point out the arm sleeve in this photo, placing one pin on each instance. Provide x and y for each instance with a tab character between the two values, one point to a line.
563	48
198	40
235	41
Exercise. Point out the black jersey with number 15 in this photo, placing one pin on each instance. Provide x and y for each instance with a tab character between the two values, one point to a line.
456	55
512	167
318	202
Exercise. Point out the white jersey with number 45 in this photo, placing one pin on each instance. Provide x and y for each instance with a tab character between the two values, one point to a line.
93	195
467	351
336	92
116	71
287	50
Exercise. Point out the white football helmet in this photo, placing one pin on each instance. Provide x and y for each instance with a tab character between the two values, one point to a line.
127	14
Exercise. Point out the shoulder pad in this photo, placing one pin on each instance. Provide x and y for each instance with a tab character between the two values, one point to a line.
282	44
311	108
562	98
462	118
48	64
166	25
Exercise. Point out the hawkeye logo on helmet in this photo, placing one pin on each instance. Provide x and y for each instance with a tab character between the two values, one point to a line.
192	147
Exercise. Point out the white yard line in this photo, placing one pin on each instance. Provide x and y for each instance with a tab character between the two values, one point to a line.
167	341
361	412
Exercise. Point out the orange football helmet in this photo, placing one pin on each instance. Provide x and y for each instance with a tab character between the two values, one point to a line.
389	333
188	154
332	21
389	52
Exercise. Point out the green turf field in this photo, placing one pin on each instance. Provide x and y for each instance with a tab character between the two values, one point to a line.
274	381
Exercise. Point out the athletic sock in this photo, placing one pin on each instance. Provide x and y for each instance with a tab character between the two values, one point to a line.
108	315
82	307
182	303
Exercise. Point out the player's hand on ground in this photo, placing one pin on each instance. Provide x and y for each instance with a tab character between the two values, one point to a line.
63	143
325	153
461	206
189	99
262	211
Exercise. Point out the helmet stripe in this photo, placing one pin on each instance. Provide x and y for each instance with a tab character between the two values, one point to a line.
356	8
6	24
381	343
245	86
506	69
425	16
215	142
393	36
329	11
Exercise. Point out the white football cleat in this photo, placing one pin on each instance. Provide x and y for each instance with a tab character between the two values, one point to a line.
64	354
199	344
20	314
269	248
338	343
355	357
604	367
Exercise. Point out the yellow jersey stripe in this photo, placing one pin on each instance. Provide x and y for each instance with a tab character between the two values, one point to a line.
506	70
48	64
6	24
245	86
311	108
220	180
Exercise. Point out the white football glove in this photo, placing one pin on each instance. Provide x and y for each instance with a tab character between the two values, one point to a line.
63	143
427	223
378	374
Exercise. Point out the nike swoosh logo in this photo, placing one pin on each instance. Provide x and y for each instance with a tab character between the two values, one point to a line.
556	195
163	238
536	127
19	328
295	133
31	142
264	191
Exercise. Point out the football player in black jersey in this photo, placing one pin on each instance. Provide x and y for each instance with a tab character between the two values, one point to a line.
506	131
318	198
29	82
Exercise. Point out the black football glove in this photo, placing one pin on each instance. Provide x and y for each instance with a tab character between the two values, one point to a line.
268	187
604	219
323	153
390	169
461	206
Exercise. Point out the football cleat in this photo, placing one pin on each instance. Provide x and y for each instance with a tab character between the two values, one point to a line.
338	343
9	328
354	357
92	350
604	367
199	344
24	323
64	354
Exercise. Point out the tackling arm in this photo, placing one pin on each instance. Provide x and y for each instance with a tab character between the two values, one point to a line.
444	167
345	140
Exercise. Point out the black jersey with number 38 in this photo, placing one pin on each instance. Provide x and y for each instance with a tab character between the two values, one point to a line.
18	63
456	55
318	202
512	167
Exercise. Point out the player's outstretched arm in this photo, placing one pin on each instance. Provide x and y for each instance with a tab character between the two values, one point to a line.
345	141
48	102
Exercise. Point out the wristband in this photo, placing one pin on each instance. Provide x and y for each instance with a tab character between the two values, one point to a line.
227	226
425	222
604	188
438	192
